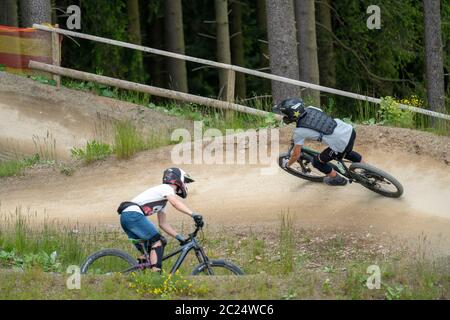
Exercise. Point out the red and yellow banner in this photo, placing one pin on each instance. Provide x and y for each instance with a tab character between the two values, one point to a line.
20	45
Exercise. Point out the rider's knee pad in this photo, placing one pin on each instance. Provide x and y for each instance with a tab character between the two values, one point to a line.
158	247
354	156
163	240
321	166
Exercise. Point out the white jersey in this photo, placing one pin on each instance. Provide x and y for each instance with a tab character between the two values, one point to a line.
152	200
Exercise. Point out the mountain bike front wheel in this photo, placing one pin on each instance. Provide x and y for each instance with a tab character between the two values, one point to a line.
303	168
217	268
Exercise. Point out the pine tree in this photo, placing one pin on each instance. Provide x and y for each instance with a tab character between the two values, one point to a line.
282	47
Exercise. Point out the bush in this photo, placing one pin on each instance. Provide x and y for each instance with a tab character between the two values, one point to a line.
94	151
391	114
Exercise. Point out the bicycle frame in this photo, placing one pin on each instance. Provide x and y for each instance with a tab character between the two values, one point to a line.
184	250
192	244
339	166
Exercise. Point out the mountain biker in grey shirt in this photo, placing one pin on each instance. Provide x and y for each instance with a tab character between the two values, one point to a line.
314	124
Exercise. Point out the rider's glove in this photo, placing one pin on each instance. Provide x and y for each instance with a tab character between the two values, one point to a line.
284	163
198	219
180	239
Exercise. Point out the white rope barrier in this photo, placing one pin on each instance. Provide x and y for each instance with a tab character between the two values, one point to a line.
236	68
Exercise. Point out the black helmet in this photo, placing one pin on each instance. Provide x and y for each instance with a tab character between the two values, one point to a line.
179	178
291	109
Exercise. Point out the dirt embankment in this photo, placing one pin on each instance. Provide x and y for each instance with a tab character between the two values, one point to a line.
228	195
33	113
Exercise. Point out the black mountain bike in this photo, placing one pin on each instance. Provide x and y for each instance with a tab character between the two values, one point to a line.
109	261
368	176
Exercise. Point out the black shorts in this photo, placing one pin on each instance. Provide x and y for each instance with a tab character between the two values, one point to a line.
328	154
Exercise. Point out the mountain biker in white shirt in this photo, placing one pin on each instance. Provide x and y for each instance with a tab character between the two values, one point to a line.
312	123
153	201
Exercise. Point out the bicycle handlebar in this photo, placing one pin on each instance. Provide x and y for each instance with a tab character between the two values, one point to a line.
194	234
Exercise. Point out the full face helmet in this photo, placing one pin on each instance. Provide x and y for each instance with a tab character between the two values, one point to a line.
178	177
291	109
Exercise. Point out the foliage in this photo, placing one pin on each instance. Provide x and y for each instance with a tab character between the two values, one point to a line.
93	151
46	147
394	293
287	243
68	171
48	262
391	114
127	140
43	80
15	167
323	266
165	285
384	62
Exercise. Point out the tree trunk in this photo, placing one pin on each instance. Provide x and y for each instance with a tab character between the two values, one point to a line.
8	13
223	43
237	45
282	47
307	46
261	20
134	36
174	36
326	53
35	11
157	75
433	56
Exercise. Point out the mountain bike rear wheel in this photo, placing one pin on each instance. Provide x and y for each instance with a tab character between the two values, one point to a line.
217	268
376	180
108	261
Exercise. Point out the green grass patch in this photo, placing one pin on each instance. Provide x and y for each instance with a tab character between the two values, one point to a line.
93	151
128	139
280	263
15	167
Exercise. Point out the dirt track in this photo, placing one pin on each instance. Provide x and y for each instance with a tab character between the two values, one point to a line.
240	195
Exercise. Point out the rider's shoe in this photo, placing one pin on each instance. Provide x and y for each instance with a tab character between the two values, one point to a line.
335	181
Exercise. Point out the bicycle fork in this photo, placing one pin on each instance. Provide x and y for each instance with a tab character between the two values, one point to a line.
203	258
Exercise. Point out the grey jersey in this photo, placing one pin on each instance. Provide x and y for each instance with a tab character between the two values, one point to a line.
337	141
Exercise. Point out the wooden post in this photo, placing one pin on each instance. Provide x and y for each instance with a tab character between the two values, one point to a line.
231	84
56	55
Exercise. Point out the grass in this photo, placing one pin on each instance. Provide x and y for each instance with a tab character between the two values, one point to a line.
285	263
213	118
94	151
15	167
364	112
129	140
46	147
